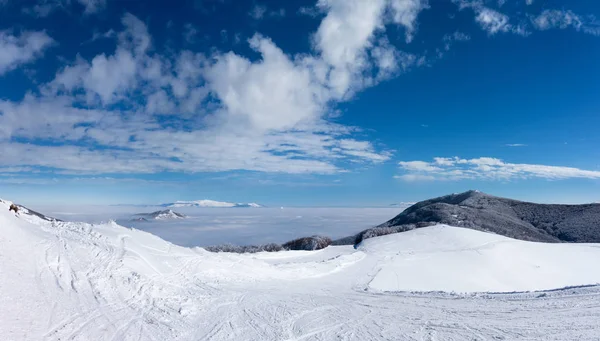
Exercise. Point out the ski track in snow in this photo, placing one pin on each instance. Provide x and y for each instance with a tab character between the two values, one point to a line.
74	281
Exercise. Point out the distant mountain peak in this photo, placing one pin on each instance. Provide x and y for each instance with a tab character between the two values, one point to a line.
159	215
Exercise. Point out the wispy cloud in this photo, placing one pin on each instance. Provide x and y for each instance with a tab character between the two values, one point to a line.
516	145
486	168
44	8
23	48
493	21
259	12
490	20
562	19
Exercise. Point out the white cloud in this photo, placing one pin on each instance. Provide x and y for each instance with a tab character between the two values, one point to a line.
557	19
309	11
40	10
516	145
92	6
405	13
259	12
419	166
562	19
44	8
415	177
112	113
349	32
450	39
21	49
266	115
189	33
492	21
486	168
275	93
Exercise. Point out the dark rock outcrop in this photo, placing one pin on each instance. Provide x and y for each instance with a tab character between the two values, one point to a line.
245	249
308	243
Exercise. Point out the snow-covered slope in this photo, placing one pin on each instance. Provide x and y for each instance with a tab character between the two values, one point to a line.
74	281
209	203
443	258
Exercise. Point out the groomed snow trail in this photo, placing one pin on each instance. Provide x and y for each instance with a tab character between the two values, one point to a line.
74	281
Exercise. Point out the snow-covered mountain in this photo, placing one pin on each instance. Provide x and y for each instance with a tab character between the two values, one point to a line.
209	203
76	281
159	215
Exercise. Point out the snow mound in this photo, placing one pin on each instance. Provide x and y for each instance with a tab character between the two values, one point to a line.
444	258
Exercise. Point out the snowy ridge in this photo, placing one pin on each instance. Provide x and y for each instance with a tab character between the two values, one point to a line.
209	203
75	281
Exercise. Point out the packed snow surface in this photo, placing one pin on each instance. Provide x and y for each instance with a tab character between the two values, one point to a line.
75	281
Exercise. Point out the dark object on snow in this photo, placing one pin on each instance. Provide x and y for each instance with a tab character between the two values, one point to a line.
510	218
13	207
308	243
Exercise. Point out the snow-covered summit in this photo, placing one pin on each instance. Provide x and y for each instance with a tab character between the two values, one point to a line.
209	203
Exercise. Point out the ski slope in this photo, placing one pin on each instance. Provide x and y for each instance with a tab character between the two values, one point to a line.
75	281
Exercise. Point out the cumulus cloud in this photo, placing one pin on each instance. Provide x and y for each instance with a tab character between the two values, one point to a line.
492	21
486	168
218	112
349	40
20	49
275	93
135	110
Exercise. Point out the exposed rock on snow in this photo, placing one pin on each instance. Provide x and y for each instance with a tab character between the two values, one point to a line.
272	247
159	215
308	243
27	211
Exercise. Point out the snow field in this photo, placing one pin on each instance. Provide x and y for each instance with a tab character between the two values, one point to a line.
75	281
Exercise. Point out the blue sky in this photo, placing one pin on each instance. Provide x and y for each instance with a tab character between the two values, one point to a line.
308	103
